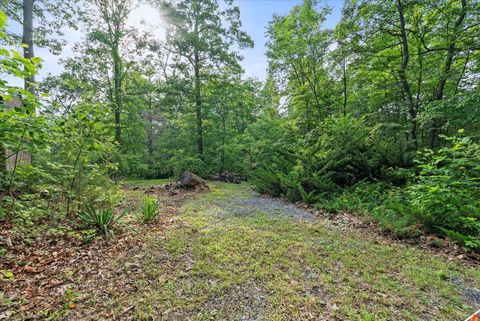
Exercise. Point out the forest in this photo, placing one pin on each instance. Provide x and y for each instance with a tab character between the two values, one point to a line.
151	177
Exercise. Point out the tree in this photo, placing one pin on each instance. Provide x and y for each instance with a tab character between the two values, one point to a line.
298	49
28	40
202	37
13	121
109	29
38	27
412	55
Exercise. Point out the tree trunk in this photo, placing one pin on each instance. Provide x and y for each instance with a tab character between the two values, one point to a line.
440	88
222	155
407	94
3	167
198	108
150	128
198	97
28	41
117	94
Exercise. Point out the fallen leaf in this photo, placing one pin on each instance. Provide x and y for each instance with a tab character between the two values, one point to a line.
128	308
30	269
54	282
24	308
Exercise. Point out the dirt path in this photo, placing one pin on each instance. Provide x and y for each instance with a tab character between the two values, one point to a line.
231	254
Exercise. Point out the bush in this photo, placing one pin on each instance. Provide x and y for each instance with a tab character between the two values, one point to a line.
338	154
188	163
446	197
387	205
132	165
149	209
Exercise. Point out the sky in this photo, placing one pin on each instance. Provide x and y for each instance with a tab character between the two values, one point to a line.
255	15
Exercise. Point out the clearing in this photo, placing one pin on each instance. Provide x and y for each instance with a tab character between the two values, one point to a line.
231	254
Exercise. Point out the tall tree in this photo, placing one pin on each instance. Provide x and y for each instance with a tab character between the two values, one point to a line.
43	23
406	56
110	30
28	40
298	49
402	73
203	36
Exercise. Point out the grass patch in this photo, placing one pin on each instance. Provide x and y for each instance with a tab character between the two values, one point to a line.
215	265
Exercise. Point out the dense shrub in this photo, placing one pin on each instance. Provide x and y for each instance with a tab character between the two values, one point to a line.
446	196
387	205
346	164
133	166
188	163
341	152
70	150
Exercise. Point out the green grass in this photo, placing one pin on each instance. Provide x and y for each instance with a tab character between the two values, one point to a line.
216	266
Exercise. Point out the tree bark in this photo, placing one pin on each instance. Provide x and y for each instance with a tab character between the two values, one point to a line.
198	97
3	167
28	41
222	153
440	88
117	93
150	128
407	94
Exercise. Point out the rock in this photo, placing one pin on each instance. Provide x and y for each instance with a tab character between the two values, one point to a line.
226	177
6	240
189	180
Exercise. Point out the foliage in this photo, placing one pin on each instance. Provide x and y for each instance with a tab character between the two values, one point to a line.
149	209
446	195
193	164
50	18
103	219
341	152
71	151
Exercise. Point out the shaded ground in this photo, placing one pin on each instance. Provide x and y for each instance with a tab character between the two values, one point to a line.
230	254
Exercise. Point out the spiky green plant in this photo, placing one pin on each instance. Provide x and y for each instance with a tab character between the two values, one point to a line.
104	220
149	209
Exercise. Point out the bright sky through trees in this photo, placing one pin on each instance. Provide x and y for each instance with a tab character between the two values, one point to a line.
255	15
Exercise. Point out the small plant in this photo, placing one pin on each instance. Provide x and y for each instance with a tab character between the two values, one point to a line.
103	220
149	209
437	243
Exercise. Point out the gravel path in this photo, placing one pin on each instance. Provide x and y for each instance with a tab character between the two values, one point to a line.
471	294
278	208
271	207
